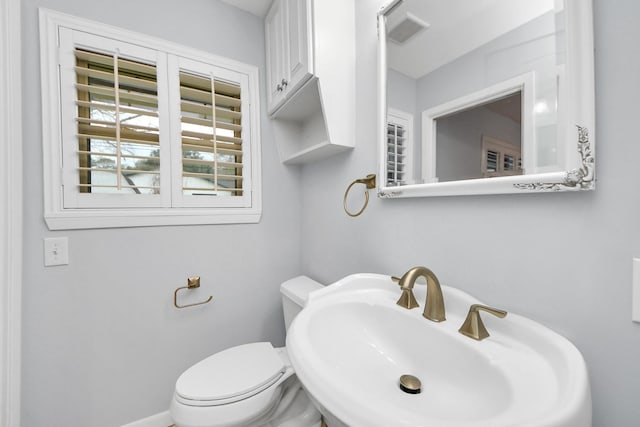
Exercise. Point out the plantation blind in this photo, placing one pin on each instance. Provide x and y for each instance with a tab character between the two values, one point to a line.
493	158
141	132
500	158
396	154
118	127
211	133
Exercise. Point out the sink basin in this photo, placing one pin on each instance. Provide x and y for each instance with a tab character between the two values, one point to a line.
351	343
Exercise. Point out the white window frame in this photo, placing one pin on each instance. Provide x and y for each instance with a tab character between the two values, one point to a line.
59	217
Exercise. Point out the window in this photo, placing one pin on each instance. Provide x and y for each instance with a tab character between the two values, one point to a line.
211	127
118	127
500	158
399	145
150	133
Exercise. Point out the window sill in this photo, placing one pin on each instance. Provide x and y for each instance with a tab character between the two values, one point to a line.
75	219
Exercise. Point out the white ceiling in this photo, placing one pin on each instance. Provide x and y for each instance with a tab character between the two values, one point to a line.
457	27
257	7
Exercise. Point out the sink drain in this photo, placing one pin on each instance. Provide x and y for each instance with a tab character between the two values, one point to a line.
410	384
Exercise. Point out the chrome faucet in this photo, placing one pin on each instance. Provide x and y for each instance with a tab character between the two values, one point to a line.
434	306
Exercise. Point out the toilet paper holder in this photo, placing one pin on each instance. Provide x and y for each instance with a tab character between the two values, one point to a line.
192	283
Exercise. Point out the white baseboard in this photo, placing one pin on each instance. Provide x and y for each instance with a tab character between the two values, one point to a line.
162	419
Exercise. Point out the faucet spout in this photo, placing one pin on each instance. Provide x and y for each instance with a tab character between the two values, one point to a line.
434	306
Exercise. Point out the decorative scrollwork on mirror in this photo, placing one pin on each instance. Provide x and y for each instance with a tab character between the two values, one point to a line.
582	178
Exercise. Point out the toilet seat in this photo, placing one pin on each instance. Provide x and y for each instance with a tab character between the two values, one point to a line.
231	375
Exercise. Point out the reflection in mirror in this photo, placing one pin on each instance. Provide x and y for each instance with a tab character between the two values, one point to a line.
464	149
482	91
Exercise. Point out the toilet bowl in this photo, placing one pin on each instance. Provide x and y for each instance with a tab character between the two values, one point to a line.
250	385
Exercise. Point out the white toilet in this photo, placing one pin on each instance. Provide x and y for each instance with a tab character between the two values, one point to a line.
251	385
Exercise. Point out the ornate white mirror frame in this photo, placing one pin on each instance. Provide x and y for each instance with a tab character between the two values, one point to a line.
577	124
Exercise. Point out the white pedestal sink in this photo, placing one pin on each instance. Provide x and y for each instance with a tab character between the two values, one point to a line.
351	343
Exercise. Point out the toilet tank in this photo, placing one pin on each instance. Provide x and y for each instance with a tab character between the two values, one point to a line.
294	295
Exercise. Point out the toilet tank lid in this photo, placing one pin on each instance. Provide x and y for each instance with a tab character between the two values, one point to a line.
298	288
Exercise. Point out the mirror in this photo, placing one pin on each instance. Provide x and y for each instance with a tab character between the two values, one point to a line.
485	97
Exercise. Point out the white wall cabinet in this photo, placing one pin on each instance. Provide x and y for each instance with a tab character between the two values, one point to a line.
288	49
311	77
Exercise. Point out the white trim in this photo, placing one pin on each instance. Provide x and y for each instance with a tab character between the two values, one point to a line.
10	212
381	113
579	87
116	218
57	216
162	419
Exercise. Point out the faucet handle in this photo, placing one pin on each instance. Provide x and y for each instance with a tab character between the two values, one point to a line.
419	280
473	326
407	299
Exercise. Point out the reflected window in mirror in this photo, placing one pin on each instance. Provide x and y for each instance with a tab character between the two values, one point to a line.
484	141
399	148
500	158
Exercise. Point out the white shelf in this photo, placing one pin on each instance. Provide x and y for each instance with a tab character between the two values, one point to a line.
300	128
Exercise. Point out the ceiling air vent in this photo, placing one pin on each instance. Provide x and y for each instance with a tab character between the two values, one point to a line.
405	28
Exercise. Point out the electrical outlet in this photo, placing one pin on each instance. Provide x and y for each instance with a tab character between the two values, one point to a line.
56	251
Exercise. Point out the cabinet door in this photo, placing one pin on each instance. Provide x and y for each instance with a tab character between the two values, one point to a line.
277	44
299	62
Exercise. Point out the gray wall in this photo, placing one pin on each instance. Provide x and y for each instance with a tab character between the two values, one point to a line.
103	344
568	265
401	92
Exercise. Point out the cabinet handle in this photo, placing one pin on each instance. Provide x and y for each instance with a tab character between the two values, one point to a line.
279	88
284	83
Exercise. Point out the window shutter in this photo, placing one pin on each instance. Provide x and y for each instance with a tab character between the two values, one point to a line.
396	154
508	162
211	133
399	148
500	158
118	124
493	157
